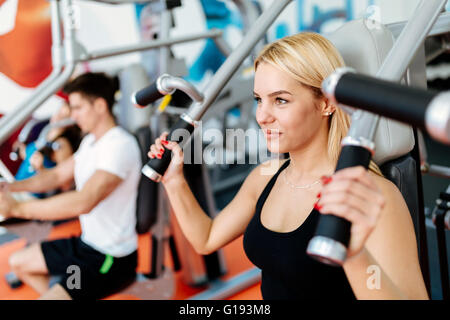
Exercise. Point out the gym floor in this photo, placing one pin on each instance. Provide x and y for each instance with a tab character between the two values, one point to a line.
236	262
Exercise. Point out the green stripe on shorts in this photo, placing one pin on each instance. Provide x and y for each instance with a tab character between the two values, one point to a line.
107	264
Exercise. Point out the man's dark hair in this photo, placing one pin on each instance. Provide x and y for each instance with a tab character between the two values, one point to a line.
94	85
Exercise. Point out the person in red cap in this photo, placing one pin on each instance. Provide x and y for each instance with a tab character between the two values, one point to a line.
106	172
62	142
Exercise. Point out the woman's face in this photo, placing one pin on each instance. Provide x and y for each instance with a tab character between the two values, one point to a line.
63	113
287	111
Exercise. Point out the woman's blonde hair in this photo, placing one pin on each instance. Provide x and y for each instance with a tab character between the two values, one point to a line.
309	58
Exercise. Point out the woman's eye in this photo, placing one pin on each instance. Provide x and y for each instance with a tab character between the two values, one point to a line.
280	101
257	99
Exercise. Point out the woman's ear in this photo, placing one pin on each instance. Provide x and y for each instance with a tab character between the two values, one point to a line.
327	108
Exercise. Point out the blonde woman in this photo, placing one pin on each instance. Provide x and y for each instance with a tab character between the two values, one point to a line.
275	212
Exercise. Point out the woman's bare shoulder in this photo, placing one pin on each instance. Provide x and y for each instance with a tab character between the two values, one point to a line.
261	175
387	186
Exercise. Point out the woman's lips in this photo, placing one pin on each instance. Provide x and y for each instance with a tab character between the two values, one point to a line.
271	134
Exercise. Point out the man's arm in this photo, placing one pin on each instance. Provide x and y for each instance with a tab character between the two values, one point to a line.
46	180
69	204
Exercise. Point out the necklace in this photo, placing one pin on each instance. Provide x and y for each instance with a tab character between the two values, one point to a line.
306	186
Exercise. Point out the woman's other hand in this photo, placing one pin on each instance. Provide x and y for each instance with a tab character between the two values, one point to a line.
352	194
175	170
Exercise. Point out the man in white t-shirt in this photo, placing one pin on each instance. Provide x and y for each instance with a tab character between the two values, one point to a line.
106	170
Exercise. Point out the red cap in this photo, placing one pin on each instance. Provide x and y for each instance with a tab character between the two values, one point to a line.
61	94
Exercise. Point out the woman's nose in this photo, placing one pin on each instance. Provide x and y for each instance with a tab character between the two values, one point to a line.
263	114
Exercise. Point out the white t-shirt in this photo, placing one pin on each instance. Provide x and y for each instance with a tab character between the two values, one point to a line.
110	226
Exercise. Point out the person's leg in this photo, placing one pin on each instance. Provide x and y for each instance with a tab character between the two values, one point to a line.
30	267
57	292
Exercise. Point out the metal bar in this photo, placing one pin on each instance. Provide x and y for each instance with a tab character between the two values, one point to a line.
416	75
248	12
249	15
57	44
421	229
41	141
183	85
439	221
6	174
99	54
233	62
26	130
437	171
220	290
223	46
164	51
71	46
114	2
364	124
157	238
10	122
442	25
412	37
435	51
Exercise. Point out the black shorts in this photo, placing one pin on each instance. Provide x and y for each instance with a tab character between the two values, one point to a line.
87	274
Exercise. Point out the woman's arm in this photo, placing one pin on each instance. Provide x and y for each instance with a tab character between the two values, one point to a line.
383	260
205	234
369	280
391	249
208	235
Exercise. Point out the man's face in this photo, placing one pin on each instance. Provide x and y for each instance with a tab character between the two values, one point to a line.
83	111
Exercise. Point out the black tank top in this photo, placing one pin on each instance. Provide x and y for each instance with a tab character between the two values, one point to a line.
287	271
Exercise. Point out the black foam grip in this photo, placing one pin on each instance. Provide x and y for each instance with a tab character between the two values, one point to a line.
181	129
173	4
445	196
331	226
147	95
352	156
383	97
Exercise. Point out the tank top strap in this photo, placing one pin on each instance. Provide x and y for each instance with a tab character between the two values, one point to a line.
262	198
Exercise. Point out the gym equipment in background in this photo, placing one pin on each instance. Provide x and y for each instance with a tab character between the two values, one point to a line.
441	219
74	55
155	168
329	244
425	109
